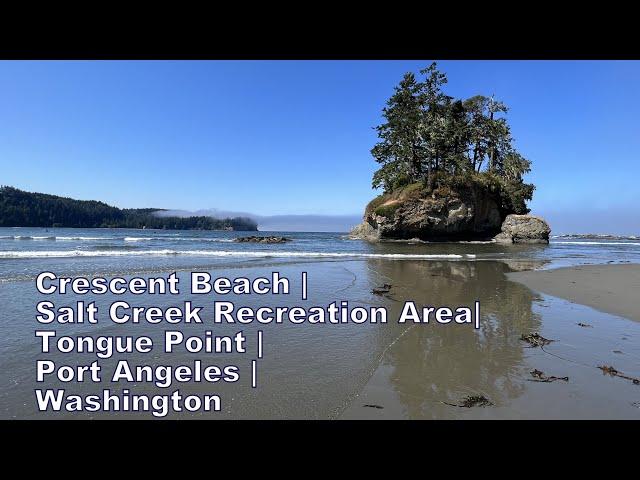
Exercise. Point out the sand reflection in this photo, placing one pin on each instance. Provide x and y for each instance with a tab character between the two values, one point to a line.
436	363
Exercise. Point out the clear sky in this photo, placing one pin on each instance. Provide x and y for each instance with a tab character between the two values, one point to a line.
293	137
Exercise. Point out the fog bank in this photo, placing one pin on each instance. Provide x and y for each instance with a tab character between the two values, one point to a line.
282	223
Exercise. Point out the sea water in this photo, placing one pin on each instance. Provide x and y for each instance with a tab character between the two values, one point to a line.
308	371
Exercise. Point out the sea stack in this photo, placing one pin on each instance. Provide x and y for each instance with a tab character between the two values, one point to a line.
449	169
523	229
439	215
444	214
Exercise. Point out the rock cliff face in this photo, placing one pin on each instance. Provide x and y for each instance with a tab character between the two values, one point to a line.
468	215
364	231
473	213
524	229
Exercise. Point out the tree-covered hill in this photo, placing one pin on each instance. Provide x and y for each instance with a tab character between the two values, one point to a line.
449	169
438	141
25	209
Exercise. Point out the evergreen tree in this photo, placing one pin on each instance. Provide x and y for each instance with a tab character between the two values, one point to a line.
433	106
433	138
399	151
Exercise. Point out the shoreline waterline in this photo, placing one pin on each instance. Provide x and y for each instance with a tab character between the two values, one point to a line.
330	372
584	342
608	288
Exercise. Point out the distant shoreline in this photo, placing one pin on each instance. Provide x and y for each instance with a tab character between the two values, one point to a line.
134	228
41	210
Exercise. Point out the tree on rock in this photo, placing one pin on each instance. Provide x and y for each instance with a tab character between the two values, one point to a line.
399	151
430	137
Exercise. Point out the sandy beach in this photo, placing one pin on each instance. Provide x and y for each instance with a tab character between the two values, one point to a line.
377	371
400	240
583	311
608	288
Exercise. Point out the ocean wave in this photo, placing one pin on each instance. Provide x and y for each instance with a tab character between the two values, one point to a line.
28	237
597	243
51	237
87	238
221	253
172	239
596	236
126	239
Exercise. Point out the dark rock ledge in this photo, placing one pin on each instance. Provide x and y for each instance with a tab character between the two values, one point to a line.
259	239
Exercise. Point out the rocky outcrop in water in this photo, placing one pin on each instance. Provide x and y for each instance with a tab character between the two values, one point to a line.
524	229
364	231
258	239
474	212
442	216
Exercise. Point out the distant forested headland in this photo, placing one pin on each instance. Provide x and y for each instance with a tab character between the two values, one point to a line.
25	209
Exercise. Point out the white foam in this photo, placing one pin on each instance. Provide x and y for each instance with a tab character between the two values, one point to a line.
186	239
217	240
220	253
85	238
597	243
126	239
596	236
28	237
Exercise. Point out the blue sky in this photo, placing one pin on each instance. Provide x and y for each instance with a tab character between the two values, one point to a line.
293	137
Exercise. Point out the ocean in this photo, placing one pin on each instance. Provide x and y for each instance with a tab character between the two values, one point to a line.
26	251
311	371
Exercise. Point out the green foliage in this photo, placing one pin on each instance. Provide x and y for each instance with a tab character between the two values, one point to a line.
386	204
412	190
432	139
387	210
398	152
512	195
516	194
25	209
375	203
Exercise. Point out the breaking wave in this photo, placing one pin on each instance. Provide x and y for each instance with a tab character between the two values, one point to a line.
25	237
126	239
596	236
85	238
597	243
29	237
189	239
220	253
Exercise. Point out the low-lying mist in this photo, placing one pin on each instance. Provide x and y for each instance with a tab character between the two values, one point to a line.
282	223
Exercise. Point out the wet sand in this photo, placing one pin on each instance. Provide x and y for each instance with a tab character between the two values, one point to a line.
375	371
430	369
608	288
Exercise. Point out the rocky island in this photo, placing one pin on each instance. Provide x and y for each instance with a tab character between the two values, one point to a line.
449	170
